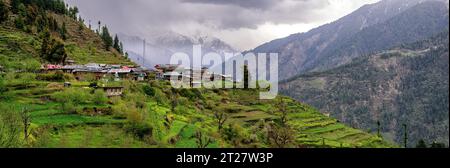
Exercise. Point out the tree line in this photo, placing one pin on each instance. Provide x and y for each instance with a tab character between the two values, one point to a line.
33	16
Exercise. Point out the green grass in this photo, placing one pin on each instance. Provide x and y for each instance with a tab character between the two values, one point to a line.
94	137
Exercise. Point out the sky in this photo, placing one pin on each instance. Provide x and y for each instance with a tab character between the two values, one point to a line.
244	24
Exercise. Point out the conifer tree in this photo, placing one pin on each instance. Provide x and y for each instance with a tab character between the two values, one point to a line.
106	37
116	44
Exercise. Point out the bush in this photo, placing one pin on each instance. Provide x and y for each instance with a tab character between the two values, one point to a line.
120	110
74	96
149	91
99	97
57	76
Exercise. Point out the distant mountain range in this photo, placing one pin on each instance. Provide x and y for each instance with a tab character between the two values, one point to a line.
162	45
369	29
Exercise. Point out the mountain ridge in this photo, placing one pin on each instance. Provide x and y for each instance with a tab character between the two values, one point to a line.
303	52
406	84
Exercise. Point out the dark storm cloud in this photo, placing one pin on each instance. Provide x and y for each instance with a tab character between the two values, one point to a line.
221	14
258	4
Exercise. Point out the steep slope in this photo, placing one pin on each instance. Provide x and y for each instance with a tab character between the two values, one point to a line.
405	85
336	43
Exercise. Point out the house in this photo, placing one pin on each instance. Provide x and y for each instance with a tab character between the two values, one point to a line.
172	75
70	62
52	67
139	74
71	68
123	73
161	70
113	91
82	73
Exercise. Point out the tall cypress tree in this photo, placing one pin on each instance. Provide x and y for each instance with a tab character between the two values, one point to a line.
116	43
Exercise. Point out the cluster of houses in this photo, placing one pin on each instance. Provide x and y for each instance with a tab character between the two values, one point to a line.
100	71
120	72
188	75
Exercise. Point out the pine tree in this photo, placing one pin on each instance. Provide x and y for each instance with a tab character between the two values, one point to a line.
421	144
45	43
63	31
405	138
246	77
116	44
121	48
99	27
106	37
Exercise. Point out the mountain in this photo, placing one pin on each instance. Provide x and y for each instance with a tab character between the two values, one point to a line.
408	84
369	29
161	45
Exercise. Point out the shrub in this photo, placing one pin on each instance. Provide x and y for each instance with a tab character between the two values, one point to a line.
149	91
71	97
120	110
57	76
99	97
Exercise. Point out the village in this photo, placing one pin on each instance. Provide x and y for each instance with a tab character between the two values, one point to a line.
115	73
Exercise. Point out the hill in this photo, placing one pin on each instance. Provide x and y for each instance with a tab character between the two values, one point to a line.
370	29
404	85
39	109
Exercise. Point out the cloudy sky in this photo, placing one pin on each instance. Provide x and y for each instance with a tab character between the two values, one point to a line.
244	24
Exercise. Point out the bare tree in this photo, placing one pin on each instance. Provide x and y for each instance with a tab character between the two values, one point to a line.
282	107
221	118
280	137
26	122
202	140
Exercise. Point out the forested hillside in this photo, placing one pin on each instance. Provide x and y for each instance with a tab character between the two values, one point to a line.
405	86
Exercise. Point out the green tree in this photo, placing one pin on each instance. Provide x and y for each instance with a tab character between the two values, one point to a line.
116	44
148	90
19	22
379	128
437	145
25	116
246	77
99	97
63	31
106	37
4	10
405	136
282	107
421	144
